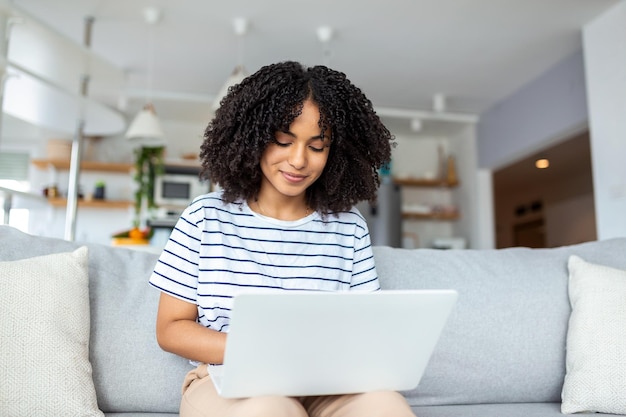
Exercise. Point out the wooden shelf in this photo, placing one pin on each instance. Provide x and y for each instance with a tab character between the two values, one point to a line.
61	164
430	183
111	204
423	182
431	216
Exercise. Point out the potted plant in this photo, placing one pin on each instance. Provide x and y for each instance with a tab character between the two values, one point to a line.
99	190
148	164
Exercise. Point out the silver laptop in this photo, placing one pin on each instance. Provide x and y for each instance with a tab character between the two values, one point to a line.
314	343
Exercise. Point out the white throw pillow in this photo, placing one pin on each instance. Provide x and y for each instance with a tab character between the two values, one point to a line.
44	337
595	377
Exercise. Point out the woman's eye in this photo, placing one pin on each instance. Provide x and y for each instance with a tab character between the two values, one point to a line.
316	149
282	141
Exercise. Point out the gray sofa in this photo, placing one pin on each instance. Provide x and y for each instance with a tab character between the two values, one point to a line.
501	354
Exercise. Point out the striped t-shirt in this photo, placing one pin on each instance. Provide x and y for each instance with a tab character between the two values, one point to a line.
217	250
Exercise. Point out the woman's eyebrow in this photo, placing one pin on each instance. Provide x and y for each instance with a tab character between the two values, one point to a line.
321	136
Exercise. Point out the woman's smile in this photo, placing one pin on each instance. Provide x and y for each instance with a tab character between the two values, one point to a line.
295	178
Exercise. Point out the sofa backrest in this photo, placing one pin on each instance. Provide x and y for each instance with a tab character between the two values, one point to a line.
131	372
505	340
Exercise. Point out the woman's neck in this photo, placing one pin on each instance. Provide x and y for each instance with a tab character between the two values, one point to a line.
280	208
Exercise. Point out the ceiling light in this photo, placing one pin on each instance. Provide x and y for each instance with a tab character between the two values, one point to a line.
152	15
324	35
439	102
542	163
416	125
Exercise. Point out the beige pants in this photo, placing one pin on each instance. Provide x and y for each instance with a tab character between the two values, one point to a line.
201	400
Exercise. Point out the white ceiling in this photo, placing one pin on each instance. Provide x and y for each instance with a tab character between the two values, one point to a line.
400	52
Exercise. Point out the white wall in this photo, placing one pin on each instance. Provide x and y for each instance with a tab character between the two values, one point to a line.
181	137
463	147
605	61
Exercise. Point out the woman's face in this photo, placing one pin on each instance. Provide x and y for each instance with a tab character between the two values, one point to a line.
297	157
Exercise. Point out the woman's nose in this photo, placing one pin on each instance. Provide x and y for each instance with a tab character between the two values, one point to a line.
297	156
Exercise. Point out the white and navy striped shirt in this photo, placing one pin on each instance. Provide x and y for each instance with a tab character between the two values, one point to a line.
218	250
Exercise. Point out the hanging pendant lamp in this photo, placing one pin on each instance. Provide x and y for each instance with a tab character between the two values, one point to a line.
240	26
237	76
145	128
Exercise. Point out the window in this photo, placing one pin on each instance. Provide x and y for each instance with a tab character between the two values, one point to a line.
13	176
14	166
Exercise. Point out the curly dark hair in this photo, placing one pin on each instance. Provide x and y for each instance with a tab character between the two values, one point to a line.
267	102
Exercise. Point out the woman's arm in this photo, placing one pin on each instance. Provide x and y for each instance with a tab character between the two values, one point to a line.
178	332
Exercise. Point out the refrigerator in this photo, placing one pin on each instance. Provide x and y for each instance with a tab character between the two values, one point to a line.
384	217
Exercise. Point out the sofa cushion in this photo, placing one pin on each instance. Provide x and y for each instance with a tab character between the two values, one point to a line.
596	339
505	339
44	334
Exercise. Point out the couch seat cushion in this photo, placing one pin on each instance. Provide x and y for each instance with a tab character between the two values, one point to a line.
548	409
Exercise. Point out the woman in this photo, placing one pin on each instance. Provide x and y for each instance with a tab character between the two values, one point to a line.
293	149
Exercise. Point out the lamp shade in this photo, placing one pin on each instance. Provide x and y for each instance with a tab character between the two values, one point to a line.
146	127
237	76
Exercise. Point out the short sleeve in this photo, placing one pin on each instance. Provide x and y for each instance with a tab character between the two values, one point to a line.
176	271
364	275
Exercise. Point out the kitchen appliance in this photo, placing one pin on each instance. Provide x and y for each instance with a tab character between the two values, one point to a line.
178	186
384	217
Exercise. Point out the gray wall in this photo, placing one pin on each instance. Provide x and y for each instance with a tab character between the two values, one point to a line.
546	110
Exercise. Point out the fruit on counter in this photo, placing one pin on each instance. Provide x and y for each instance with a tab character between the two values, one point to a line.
135	233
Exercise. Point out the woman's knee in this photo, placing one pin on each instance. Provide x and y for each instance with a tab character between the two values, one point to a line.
268	406
382	404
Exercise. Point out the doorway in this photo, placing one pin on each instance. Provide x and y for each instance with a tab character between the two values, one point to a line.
530	234
547	207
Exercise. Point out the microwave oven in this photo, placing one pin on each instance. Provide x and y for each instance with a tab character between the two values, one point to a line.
177	187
